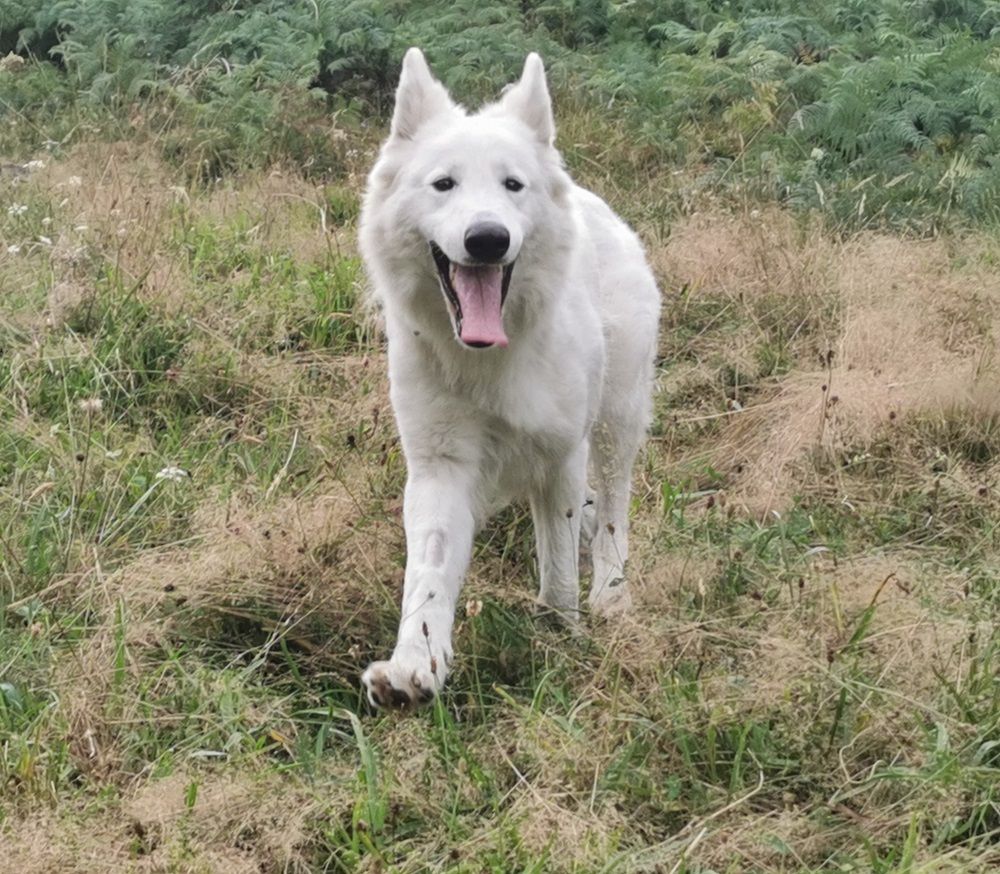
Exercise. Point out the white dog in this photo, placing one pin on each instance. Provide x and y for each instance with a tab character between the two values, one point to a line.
522	321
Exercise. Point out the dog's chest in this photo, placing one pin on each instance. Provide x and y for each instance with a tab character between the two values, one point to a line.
534	409
516	461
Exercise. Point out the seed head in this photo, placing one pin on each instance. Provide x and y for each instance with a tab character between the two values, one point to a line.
91	406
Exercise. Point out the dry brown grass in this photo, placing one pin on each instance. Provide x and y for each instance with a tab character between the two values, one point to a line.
122	204
910	335
309	558
242	824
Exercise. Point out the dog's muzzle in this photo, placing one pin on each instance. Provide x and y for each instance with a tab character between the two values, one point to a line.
476	292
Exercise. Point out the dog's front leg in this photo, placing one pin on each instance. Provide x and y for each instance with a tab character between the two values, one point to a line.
438	514
556	510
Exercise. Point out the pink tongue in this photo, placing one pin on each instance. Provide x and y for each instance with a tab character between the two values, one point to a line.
479	294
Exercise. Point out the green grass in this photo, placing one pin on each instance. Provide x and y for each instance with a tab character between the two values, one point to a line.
201	548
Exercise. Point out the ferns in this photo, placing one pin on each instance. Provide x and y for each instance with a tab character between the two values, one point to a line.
882	92
923	115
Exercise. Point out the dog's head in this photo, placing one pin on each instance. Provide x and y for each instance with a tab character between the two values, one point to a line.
469	196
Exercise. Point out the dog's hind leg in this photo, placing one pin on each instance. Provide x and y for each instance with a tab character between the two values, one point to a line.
613	452
556	508
617	435
439	518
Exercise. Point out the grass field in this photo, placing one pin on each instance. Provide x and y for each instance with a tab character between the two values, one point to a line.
201	548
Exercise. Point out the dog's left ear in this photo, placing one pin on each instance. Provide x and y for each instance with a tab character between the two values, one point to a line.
529	100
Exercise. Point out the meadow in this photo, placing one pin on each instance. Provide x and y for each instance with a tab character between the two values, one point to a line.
200	481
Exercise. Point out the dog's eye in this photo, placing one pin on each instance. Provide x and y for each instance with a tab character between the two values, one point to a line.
512	184
445	183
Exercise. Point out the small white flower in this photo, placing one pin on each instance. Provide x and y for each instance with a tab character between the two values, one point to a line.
13	250
16	209
74	182
817	154
35	165
91	405
173	472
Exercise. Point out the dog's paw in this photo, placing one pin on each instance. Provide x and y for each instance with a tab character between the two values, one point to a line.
404	681
567	614
610	599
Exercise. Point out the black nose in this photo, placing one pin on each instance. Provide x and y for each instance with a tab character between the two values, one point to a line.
487	241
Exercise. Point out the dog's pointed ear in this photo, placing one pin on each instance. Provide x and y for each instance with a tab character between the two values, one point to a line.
529	100
419	96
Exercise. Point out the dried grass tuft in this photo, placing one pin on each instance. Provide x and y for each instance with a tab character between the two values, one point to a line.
889	330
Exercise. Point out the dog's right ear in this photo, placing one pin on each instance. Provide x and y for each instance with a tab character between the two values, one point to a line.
419	96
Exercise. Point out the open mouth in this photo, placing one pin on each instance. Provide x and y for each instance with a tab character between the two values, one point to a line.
476	293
